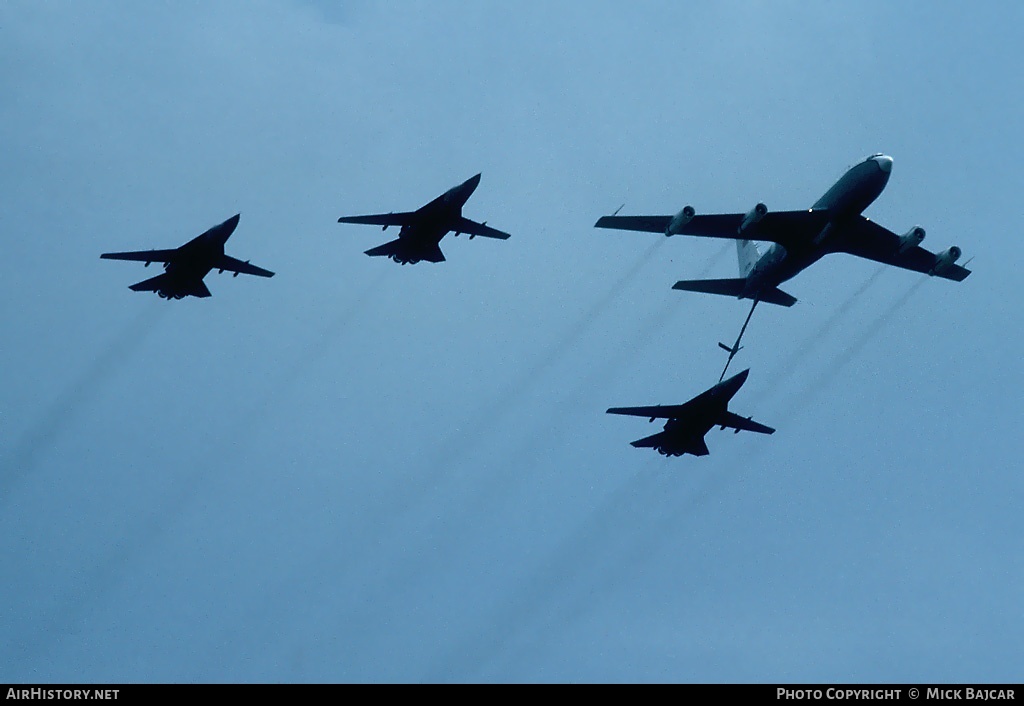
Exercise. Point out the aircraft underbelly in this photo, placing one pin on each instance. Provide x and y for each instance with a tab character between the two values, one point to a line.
855	191
423	237
185	277
185	270
798	264
686	436
691	445
795	262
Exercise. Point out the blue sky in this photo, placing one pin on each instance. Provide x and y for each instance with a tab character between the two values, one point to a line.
359	472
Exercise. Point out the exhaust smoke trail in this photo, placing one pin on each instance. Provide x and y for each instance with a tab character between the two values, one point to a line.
654	501
104	572
635	495
784	370
829	375
547	435
596	557
307	360
633	549
492	414
24	453
409	493
599	377
563	607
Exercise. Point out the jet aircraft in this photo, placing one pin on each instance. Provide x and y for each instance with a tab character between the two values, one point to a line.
186	266
689	422
422	229
800	238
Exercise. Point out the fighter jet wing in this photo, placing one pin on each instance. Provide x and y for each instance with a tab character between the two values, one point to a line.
381	219
781	227
869	240
735	421
474	229
141	255
226	262
653	412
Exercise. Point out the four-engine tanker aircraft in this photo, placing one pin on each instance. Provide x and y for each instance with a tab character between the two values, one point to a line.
689	422
186	266
422	229
800	238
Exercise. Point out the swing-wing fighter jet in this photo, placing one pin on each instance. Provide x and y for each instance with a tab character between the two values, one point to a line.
687	423
422	229
186	266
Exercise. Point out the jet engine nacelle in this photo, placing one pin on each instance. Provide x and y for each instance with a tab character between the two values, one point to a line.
675	226
944	260
752	218
911	239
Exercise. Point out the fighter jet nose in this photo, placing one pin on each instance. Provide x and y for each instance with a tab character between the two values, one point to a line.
474	181
884	162
741	378
731	385
223	231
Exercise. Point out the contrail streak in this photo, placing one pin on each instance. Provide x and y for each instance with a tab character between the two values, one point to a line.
821	383
104	571
24	453
406	495
648	507
791	364
599	377
643	543
623	501
489	416
307	360
540	597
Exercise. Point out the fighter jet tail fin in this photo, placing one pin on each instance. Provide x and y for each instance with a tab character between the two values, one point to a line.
734	288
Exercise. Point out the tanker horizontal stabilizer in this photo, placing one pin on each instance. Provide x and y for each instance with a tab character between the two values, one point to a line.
736	287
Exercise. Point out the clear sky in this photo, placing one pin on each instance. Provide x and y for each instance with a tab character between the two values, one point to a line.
361	472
